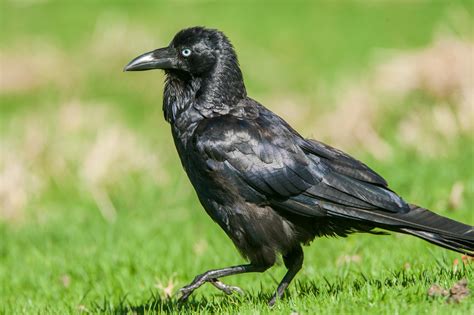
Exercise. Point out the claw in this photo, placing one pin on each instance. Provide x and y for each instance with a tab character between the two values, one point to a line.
212	277
227	289
185	293
272	301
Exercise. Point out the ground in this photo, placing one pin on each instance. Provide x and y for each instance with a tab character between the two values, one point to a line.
97	216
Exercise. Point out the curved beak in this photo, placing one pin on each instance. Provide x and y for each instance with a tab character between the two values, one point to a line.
162	58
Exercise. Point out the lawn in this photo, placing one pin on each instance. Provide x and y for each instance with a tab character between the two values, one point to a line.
97	216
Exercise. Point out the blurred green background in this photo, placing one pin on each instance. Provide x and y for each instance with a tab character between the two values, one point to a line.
96	214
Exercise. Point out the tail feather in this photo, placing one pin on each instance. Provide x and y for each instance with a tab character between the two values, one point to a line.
441	231
436	239
419	222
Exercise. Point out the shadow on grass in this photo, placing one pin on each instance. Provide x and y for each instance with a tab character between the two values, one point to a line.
321	288
218	303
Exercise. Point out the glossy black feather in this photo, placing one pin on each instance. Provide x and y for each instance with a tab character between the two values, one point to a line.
269	188
242	158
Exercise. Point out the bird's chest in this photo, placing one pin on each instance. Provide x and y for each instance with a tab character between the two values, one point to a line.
183	131
209	185
206	180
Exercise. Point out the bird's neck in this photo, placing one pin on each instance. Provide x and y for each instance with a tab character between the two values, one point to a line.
213	94
179	94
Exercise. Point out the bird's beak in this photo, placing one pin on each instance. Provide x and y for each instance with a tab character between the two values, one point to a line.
162	58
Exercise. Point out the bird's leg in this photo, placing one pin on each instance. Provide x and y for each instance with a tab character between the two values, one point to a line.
213	275
227	289
293	261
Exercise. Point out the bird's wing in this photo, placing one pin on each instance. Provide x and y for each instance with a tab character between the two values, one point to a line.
267	166
337	160
267	156
341	162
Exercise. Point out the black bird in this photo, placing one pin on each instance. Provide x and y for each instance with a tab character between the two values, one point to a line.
270	189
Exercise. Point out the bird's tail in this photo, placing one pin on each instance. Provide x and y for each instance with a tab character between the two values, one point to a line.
437	229
419	222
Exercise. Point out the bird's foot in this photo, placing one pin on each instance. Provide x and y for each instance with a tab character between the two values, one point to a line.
186	291
273	300
227	289
200	280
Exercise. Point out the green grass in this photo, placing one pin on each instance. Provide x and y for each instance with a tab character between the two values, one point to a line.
60	255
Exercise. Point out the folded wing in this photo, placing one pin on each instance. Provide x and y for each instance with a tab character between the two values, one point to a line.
287	169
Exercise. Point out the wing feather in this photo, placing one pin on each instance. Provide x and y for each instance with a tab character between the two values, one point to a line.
281	165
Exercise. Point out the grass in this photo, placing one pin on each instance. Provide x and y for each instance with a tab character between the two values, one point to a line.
114	235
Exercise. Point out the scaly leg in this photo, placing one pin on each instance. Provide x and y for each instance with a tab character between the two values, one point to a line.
293	261
227	289
213	275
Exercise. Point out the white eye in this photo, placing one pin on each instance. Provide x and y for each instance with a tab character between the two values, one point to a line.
186	52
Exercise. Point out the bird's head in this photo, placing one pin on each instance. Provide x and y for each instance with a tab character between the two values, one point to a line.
195	51
201	68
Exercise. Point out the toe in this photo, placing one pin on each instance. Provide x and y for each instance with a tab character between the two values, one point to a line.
272	301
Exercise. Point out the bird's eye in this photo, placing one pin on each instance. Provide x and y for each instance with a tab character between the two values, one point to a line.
186	52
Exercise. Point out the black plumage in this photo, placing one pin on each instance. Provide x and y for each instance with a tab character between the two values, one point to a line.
269	188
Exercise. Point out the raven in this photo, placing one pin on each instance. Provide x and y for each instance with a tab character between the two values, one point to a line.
270	189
